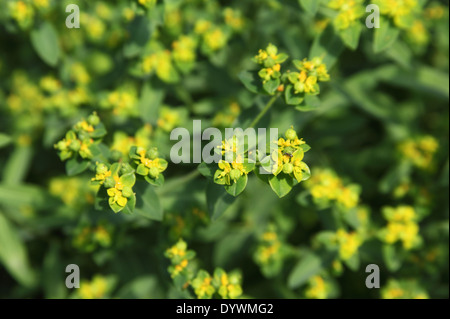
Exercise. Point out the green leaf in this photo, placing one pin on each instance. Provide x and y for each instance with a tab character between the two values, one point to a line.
150	102
282	184
139	31
4	140
290	97
271	86
351	36
207	170
236	188
142	170
392	257
131	204
385	36
45	42
159	181
18	164
76	166
327	45
147	202
128	179
99	131
13	254
305	147
310	6
309	265
217	200
311	103
250	80
353	262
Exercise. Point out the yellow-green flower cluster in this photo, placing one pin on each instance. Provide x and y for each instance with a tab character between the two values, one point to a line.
148	163
180	257
402	226
97	288
147	3
348	243
227	117
80	191
122	101
401	11
270	252
234	165
326	187
289	157
349	11
22	12
271	61
81	138
402	289
169	118
213	37
119	188
420	151
183	271
318	288
122	142
228	285
184	52
202	285
234	19
88	238
311	73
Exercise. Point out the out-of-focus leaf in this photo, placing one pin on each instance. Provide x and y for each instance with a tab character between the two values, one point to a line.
13	254
308	266
218	200
147	202
45	41
385	36
327	45
4	140
18	164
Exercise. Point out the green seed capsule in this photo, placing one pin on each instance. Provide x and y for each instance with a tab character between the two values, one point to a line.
288	168
127	191
153	172
75	145
153	153
110	182
290	134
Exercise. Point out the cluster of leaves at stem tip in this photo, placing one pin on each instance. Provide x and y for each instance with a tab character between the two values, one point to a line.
115	174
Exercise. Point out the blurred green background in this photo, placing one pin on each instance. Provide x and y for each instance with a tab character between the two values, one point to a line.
379	137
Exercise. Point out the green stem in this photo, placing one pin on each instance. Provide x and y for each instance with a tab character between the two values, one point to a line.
264	111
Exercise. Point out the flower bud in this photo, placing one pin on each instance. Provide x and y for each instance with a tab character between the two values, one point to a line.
235	174
110	182
75	145
101	168
153	153
93	119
